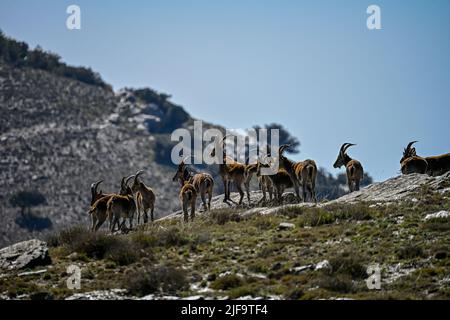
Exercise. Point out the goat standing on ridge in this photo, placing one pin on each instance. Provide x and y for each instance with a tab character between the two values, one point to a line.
301	173
145	198
265	184
435	165
354	169
279	181
202	182
121	206
99	201
231	170
411	163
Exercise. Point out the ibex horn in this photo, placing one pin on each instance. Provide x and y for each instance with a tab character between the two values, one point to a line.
127	179
348	145
95	185
283	147
408	147
136	176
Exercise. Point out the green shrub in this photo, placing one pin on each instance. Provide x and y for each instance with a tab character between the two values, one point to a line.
171	236
223	216
241	292
294	294
97	245
316	217
410	252
227	282
350	264
339	283
149	280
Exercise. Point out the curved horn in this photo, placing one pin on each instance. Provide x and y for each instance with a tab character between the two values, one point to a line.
343	146
408	147
184	159
95	185
127	179
136	176
348	145
187	157
283	147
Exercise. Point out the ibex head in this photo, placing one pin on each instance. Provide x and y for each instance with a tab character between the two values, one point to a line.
94	193
180	175
281	156
408	152
342	157
136	181
124	187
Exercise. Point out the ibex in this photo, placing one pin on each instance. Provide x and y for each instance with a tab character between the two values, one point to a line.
202	182
411	163
279	181
188	197
265	184
301	173
95	194
231	170
99	201
145	198
121	206
436	165
354	169
97	211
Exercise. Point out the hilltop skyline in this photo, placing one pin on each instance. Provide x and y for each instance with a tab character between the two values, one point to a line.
319	72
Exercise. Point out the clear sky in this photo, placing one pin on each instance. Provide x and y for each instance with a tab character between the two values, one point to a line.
312	66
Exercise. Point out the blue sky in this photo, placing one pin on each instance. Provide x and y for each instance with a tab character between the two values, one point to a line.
312	66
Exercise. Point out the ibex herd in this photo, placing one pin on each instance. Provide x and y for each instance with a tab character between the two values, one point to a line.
139	198
114	206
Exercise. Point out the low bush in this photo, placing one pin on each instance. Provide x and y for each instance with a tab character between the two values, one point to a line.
149	280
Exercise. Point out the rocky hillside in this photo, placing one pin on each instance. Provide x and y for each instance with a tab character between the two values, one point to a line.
57	136
298	251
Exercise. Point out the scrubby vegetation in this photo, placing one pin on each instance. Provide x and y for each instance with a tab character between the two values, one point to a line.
18	54
225	254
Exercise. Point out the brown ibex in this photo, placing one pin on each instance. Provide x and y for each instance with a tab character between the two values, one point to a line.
188	197
436	165
99	200
229	171
411	163
95	194
354	169
279	181
301	173
145	198
202	182
265	184
121	206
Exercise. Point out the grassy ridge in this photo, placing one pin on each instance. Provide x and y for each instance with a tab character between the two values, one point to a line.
222	254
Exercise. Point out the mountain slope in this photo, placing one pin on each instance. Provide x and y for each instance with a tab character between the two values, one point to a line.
56	140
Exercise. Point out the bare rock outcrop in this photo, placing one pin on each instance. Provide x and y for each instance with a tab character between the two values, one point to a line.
25	254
